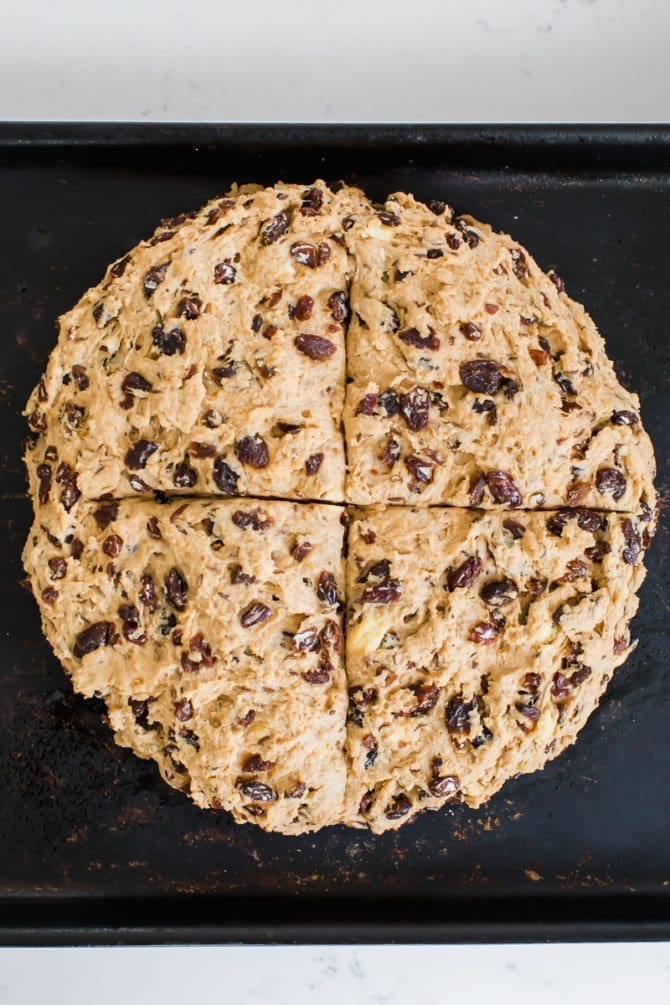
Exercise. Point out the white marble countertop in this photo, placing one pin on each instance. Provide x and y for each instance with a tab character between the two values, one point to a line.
317	60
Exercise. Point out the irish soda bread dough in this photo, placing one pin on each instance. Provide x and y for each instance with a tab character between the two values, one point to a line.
310	346
212	630
477	646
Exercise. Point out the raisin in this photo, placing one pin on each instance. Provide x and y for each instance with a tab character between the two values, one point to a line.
170	343
609	481
306	641
414	408
224	273
499	592
253	450
314	346
321	675
255	763
212	419
331	636
386	592
183	710
256	518
303	308
389	401
201	450
74	416
326	589
176	588
419	468
140	710
92	638
153	278
516	529
578	493
454	241
184	475
312	200
503	488
221	373
189	307
536	587
539	356
564	383
391	452
366	802
489	406
433	253
366	405
575	569
313	464
590	521
469	235
77	548
130	618
359	699
112	545
557	281
44	475
105	514
598	551
445	786
37	421
300	550
464	574
275	228
135	382
625	418
305	254
238	575
471	331
255	614
560	687
557	521
457	715
410	336
389	219
529	711
119	267
372	748
399	806
436	206
380	570
80	377
138	455
477	487
427	696
633	547
519	264
58	568
339	306
482	376
484	633
257	791
225	478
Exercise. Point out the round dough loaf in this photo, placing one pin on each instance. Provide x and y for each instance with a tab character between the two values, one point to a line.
210	411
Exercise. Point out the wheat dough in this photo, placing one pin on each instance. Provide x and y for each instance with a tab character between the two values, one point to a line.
300	348
212	630
211	358
478	644
474	380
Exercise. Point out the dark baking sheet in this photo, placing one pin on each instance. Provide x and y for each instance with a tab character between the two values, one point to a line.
93	847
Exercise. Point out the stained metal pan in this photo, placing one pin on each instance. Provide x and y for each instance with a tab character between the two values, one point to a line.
93	847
